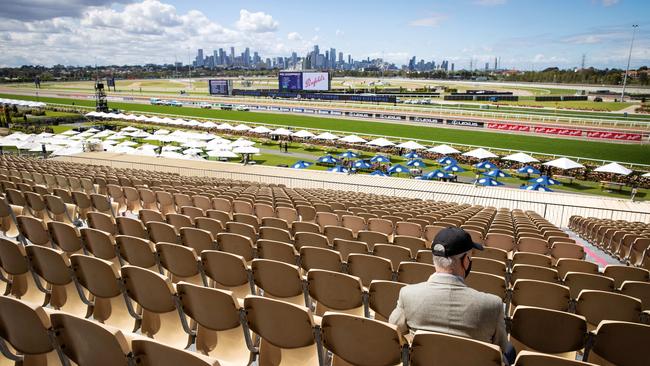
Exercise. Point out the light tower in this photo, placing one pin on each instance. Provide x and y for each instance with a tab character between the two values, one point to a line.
629	56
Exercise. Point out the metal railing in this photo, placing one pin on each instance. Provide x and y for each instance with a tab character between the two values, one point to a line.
557	214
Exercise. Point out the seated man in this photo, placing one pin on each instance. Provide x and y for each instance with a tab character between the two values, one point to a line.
444	304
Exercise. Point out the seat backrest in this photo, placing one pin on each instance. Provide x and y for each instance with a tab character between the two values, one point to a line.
310	239
452	350
578	281
276	250
528	358
622	273
413	272
228	271
620	343
382	297
564	332
180	261
487	282
136	251
151	290
101	221
361	341
540	294
198	239
24	326
597	306
132	227
335	291
278	280
320	258
212	308
368	268
151	353
74	334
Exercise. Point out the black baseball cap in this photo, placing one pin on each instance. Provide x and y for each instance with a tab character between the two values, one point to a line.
452	241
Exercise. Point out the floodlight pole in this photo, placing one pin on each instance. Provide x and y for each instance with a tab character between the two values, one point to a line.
629	56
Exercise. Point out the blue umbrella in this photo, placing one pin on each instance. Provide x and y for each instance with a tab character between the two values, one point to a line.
528	170
416	163
437	174
379	173
327	159
496	173
487	181
485	165
362	164
338	169
411	155
397	169
349	155
447	160
300	164
379	159
453	168
537	187
545	181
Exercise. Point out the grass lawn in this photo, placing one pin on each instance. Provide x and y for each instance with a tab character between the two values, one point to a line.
580	104
631	153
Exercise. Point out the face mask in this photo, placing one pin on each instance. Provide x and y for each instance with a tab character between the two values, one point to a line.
469	269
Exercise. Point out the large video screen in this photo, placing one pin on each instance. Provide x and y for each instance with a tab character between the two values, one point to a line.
290	81
315	81
219	87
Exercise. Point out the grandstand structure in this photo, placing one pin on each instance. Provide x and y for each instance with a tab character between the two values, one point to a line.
163	262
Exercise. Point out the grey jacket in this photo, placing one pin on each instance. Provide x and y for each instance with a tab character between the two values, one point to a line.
444	304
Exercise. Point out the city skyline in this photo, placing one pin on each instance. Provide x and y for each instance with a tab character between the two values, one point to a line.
520	34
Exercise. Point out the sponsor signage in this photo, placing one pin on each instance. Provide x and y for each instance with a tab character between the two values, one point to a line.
290	81
427	120
315	81
456	122
219	87
508	127
359	114
323	112
621	136
390	116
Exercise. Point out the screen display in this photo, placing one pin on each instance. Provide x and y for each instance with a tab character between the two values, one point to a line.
290	81
221	87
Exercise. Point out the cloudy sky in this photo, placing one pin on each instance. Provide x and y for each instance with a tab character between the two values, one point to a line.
524	33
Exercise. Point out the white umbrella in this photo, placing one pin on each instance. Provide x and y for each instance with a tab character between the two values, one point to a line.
281	132
480	154
242	142
222	154
352	139
141	135
411	145
303	134
241	127
109	142
194	143
126	143
116	136
246	150
209	124
520	158
69	132
68	151
614	168
381	142
326	136
564	164
170	148
104	133
646	175
48	147
129	129
161	132
92	130
192	151
443	149
261	130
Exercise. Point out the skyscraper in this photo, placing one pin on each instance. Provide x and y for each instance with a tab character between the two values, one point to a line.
332	57
199	58
232	55
294	58
340	57
222	57
247	57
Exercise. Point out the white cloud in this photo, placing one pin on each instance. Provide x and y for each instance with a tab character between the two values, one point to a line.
490	2
29	10
258	22
609	2
294	36
314	39
433	20
317	29
339	33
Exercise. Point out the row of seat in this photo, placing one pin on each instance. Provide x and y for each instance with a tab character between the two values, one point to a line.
626	241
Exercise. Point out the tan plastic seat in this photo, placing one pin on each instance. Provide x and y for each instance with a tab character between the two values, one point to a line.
198	239
578	281
567	250
20	282
179	221
361	341
59	210
621	274
192	212
182	199
302	239
354	223
395	253
137	251
368	268
53	272
326	219
242	229
151	353
236	244
116	195
413	272
221	204
100	221
248	219
277	250
412	243
533	259
8	224
335	291
74	335
227	271
83	202
597	306
181	263
275	222
563	333
198	201
424	256
540	294
408	229
489	283
65	236
487	265
337	232
101	203
161	232
346	247
528	358
131	227
381	225
287	332
156	294
132	200
214	226
382	297
148	215
527	272
620	343
450	350
147	199
34	230
306	227
372	237
533	245
279	280
320	258
272	233
102	280
639	290
25	327
219	332
501	241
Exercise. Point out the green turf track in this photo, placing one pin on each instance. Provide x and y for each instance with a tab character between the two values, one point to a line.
632	153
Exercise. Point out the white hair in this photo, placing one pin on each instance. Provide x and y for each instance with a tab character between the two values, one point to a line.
447	263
